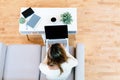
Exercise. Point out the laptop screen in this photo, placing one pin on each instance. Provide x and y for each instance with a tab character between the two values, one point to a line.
56	31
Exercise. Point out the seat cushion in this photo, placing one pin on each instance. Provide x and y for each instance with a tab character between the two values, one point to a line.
42	76
3	48
72	75
22	62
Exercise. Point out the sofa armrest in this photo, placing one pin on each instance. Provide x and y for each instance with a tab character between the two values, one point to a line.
79	70
3	49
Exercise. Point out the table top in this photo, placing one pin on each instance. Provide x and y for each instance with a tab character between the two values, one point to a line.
46	14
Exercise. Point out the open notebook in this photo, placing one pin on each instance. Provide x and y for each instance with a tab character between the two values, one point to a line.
57	34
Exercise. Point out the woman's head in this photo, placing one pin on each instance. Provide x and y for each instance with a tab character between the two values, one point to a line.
56	55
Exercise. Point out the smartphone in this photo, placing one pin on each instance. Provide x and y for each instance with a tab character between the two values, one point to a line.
27	12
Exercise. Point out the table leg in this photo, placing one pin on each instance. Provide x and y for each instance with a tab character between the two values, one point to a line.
43	37
28	37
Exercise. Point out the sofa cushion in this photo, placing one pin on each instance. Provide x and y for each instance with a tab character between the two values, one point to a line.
2	58
22	62
42	76
71	76
72	52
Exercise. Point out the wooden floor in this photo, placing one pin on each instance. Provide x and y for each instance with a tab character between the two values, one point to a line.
98	29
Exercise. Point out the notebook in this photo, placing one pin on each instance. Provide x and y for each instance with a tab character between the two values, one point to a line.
33	20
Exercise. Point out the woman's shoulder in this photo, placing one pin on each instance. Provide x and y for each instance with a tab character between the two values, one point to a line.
42	66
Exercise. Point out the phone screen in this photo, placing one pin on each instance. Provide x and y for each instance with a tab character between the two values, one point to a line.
27	12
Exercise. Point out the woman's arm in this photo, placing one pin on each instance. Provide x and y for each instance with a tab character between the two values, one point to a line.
72	60
45	59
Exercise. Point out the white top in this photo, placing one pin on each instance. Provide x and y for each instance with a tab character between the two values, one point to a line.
55	74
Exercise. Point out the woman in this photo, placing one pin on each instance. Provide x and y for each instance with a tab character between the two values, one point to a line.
58	63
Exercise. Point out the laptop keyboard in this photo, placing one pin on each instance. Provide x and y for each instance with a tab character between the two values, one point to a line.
62	41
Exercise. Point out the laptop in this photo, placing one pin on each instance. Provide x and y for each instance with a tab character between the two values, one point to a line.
56	34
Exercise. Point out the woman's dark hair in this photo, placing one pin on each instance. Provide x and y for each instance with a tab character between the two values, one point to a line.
56	55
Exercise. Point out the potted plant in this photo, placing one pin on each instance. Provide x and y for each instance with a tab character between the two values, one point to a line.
66	18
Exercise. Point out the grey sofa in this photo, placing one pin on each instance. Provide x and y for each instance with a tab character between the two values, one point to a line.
21	62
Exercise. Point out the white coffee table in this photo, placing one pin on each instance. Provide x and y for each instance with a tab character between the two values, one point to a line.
46	14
